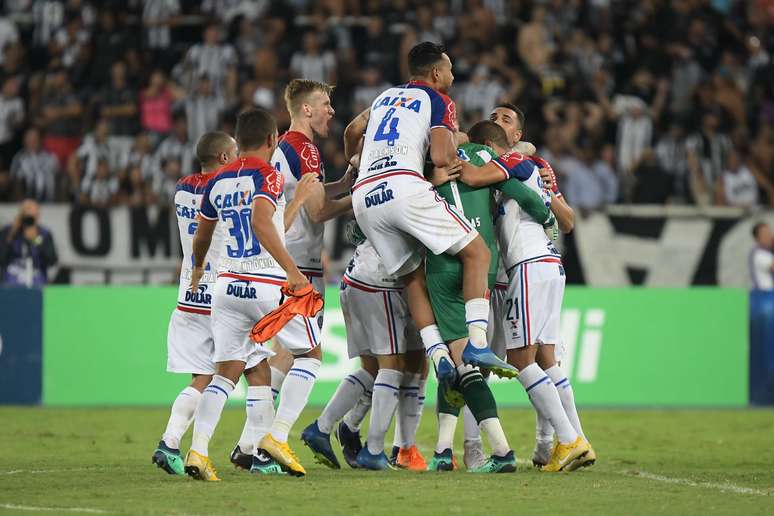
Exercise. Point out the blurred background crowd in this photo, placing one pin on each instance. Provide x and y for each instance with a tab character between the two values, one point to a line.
654	101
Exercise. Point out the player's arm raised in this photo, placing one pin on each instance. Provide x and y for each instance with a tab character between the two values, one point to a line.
263	211
201	244
353	134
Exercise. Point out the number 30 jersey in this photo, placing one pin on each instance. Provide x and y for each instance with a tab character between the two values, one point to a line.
398	133
188	200
229	198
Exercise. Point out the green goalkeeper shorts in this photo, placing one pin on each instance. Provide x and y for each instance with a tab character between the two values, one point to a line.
445	290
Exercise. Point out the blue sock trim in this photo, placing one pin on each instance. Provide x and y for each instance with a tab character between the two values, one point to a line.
537	383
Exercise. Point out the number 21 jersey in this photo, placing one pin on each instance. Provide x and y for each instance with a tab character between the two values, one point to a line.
228	199
398	132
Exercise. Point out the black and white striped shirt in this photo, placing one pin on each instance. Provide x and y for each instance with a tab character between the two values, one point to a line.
211	60
173	149
36	171
159	10
203	114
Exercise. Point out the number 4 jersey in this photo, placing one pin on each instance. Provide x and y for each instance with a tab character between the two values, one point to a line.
398	133
228	199
188	201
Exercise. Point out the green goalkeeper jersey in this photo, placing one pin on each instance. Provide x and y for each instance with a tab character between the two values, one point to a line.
475	204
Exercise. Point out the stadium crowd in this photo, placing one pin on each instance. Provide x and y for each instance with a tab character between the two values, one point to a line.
631	101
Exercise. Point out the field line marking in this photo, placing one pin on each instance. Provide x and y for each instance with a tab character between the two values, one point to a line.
39	471
14	507
728	487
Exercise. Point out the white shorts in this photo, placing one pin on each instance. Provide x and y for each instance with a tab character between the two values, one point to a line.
495	335
301	334
402	214
378	322
533	304
190	346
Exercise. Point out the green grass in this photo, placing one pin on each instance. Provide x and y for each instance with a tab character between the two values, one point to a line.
650	462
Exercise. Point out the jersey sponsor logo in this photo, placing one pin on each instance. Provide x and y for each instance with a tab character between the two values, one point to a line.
201	297
399	101
380	194
382	163
310	156
233	200
186	212
241	289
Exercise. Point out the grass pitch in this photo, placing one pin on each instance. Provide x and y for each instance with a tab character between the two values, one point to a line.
95	461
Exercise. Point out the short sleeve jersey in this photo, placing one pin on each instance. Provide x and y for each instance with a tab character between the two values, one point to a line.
229	198
295	156
188	200
521	238
398	134
366	271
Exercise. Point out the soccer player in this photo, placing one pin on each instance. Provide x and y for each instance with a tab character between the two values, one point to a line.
444	282
379	325
189	338
511	118
397	208
296	157
533	300
246	196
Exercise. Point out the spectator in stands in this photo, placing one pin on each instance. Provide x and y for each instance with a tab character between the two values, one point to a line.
83	164
761	261
27	249
8	34
156	105
164	184
118	105
212	58
370	85
158	18
312	62
708	152
11	119
737	186
589	184
102	189
175	148
142	157
673	159
203	109
652	184
34	169
133	190
61	116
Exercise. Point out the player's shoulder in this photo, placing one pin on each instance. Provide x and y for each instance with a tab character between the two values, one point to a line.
307	152
193	183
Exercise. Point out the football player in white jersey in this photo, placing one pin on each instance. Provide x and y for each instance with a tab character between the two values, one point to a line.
296	157
246	197
549	358
398	209
533	302
189	338
378	326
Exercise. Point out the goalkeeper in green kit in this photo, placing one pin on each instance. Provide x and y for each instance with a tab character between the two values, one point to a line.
444	285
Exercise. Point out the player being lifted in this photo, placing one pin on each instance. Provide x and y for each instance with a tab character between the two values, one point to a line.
533	298
246	196
397	208
511	118
189	338
444	284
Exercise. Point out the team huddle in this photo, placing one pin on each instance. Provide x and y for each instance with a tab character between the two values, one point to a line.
443	218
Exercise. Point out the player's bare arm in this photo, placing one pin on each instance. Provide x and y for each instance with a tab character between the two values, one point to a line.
305	188
320	208
443	146
201	244
477	177
353	134
441	175
344	185
263	210
563	212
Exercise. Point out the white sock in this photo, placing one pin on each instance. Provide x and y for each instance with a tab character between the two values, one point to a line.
259	406
354	418
385	401
277	377
544	432
545	399
477	319
209	411
345	398
472	432
409	411
566	395
446	426
294	395
495	435
183	410
434	345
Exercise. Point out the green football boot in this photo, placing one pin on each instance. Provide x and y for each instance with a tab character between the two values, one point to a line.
497	464
168	459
